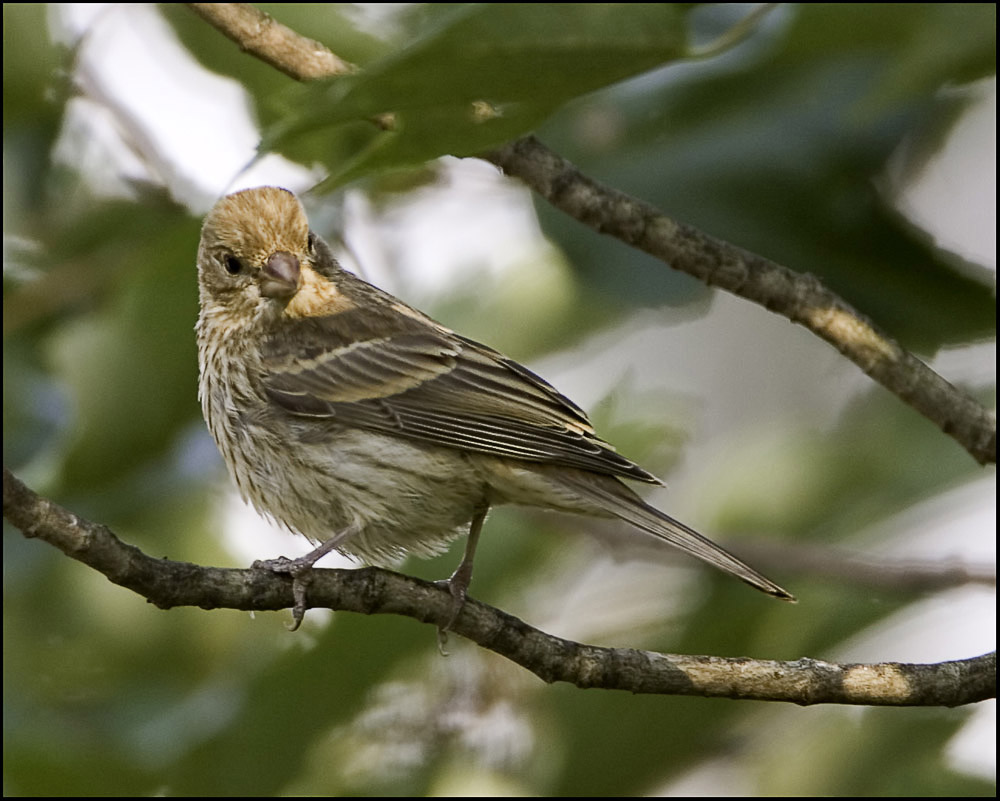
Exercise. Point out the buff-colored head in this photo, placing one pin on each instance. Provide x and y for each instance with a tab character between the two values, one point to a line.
253	244
258	261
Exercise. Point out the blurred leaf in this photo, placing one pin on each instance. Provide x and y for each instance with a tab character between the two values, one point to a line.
32	106
483	75
288	707
879	459
780	153
845	755
29	64
130	369
334	27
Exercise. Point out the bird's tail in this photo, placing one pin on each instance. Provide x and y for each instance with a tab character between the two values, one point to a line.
619	500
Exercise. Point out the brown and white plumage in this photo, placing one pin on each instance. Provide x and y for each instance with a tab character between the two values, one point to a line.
341	411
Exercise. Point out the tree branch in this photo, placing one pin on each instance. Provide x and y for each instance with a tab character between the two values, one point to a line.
800	297
262	36
370	590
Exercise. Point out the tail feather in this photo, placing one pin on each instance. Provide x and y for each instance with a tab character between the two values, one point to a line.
619	500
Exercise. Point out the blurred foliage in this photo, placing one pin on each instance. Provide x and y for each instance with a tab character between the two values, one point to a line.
519	62
778	153
776	144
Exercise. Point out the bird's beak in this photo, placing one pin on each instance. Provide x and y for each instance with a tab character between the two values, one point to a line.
280	277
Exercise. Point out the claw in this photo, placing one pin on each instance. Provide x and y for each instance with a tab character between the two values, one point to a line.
301	571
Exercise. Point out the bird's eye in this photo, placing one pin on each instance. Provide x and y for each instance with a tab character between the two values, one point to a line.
233	265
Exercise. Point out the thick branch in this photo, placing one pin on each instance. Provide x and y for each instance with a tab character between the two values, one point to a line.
376	591
798	296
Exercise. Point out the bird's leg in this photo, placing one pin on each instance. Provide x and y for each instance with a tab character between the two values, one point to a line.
458	584
300	569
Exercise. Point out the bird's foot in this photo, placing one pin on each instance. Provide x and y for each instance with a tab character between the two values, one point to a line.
458	588
301	571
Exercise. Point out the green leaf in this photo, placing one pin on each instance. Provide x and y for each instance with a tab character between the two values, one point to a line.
486	73
785	153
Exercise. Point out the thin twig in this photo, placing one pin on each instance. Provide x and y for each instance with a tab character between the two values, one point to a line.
885	574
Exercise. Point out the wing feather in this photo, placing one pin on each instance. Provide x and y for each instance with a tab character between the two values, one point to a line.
431	385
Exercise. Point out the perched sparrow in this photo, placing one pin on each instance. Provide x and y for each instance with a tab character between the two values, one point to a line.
370	428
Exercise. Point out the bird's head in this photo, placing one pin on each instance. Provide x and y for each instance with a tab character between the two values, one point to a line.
255	247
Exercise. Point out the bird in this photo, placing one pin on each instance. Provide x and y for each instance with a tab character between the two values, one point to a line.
366	426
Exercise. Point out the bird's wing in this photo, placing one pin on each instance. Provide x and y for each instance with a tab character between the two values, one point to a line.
426	383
